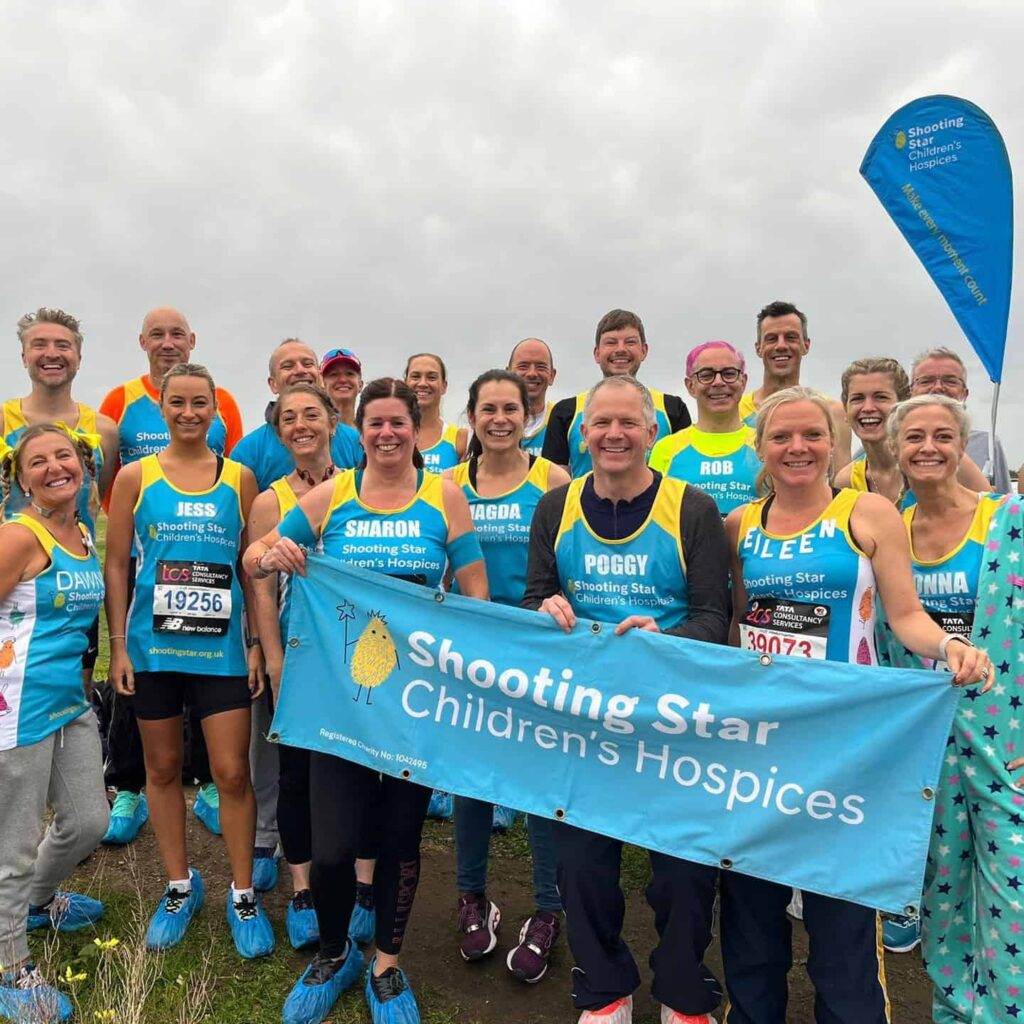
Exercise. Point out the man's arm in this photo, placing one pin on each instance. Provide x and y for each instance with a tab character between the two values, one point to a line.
556	440
542	570
678	414
707	570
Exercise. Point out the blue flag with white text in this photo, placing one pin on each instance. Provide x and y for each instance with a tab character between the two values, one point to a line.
811	773
940	169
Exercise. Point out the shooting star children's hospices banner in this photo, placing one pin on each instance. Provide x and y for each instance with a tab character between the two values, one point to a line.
811	773
939	167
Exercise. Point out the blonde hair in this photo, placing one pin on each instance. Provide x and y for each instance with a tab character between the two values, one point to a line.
877	364
188	370
764	483
10	468
904	409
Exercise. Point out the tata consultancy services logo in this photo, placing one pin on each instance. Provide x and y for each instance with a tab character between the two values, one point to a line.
900	139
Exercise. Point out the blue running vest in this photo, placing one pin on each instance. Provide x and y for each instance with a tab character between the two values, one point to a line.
186	613
533	444
44	625
643	574
810	594
445	454
580	462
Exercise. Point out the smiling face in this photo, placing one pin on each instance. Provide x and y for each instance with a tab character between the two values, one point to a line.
499	416
929	447
426	379
387	434
615	430
796	446
343	383
870	399
940	376
620	351
304	425
294	363
531	360
50	354
781	345
166	339
188	406
718	395
50	469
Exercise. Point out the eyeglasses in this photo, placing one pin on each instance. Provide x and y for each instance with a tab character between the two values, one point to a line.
947	381
335	353
707	376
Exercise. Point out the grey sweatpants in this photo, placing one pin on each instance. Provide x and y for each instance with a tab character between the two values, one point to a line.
263	765
65	770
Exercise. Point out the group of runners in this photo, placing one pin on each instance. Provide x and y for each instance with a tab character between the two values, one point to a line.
205	528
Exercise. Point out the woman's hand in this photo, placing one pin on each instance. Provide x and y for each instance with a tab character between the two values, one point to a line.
257	671
121	672
560	610
644	622
969	665
284	556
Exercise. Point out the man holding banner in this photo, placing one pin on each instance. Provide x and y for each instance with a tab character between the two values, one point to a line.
626	545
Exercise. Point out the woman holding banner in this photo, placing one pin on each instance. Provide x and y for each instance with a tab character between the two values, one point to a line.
390	487
852	544
503	485
971	871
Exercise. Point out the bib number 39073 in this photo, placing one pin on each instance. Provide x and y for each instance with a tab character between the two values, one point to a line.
785	627
192	598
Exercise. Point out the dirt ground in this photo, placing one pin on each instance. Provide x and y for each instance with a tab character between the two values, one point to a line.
485	993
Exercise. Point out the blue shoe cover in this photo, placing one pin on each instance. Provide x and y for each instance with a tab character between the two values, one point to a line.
129	813
32	1000
504	818
362	925
264	869
311	1003
441	805
300	920
69	912
250	927
207	807
172	918
401	1009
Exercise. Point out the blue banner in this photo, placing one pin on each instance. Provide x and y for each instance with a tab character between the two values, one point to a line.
940	169
811	773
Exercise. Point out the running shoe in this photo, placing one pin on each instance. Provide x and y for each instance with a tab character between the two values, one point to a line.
25	998
174	914
670	1016
300	920
390	998
529	960
619	1012
264	868
250	927
441	805
128	814
66	912
207	807
362	926
319	986
901	934
478	924
504	818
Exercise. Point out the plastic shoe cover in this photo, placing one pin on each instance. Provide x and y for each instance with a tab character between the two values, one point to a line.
441	805
128	814
319	986
27	999
300	920
398	1005
250	927
207	807
670	1016
174	914
504	818
362	926
619	1012
264	868
67	912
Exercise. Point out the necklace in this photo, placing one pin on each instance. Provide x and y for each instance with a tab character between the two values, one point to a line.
306	477
48	513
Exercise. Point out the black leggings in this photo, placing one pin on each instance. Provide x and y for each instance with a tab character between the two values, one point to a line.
346	796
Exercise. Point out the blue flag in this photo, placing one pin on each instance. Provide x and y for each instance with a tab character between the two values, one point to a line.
940	169
809	773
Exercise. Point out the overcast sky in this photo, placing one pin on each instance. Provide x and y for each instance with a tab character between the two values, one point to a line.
449	176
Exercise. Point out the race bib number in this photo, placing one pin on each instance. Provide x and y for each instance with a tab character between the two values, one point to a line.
954	623
785	627
192	598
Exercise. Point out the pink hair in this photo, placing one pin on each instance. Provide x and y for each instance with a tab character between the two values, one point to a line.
704	346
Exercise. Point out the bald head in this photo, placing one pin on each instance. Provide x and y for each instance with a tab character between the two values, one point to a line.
166	339
292	362
532	360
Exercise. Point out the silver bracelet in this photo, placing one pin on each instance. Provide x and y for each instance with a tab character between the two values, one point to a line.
947	640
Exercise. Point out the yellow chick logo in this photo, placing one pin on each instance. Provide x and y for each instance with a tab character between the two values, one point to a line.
152	532
375	656
570	585
901	139
59	600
